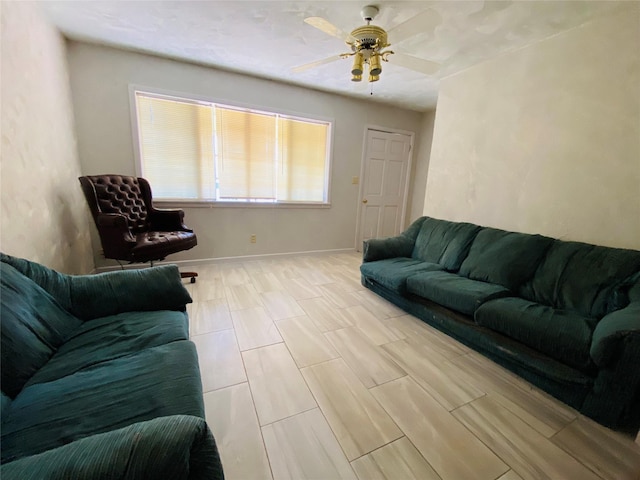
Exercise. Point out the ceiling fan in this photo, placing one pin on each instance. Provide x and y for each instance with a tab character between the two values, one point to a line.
368	44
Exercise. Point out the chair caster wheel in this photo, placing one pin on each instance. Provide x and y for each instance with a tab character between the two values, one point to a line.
193	279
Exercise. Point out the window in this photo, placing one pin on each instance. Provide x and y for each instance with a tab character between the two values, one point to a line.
202	151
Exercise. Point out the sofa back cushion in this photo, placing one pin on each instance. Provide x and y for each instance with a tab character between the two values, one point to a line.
6	403
633	290
444	242
504	258
583	278
33	327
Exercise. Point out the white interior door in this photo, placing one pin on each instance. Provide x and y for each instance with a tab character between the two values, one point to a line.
384	184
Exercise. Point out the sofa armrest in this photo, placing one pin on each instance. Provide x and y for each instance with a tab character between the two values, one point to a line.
611	332
94	296
180	447
381	248
148	289
392	247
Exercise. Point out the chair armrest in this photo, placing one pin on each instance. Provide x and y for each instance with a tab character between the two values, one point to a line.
167	220
180	447
611	332
115	236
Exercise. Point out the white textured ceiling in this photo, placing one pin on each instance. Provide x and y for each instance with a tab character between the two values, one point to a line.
268	38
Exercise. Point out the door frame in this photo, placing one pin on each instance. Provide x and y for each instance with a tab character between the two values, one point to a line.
379	128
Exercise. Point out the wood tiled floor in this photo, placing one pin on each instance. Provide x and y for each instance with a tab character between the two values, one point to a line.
309	375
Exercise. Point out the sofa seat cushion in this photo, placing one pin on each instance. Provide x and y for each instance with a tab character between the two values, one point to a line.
157	382
108	338
583	278
444	242
33	326
505	258
392	273
563	335
453	291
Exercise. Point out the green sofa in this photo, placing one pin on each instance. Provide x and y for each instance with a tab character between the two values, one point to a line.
563	315
99	378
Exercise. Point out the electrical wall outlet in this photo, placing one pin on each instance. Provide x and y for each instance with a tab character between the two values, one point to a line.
252	238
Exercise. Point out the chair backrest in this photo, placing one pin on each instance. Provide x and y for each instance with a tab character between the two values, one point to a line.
128	196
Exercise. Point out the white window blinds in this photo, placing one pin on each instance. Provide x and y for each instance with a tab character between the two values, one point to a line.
246	153
193	150
301	172
176	147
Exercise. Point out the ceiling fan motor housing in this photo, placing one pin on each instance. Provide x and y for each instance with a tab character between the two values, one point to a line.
369	37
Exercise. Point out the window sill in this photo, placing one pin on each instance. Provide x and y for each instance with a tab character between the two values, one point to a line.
198	204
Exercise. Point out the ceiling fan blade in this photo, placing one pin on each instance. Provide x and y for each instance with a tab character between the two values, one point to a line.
426	21
414	63
307	66
328	28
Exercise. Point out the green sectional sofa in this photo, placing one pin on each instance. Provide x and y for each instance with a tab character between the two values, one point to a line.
99	378
563	315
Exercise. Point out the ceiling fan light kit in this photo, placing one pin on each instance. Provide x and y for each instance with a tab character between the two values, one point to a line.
367	47
368	44
358	65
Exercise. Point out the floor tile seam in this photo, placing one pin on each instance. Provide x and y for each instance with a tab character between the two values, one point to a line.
261	305
236	284
494	390
255	410
257	346
204	392
306	410
404	435
209	333
293	318
315	398
289	348
333	432
389	381
260	346
531	392
560	446
240	353
511	467
329	423
504	461
450	410
381	351
301	375
493	393
496	377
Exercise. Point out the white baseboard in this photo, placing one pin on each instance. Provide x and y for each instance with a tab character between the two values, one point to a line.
209	261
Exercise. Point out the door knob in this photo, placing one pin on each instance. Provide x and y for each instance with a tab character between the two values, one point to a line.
364	201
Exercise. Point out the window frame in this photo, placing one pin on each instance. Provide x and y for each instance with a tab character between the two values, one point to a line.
209	101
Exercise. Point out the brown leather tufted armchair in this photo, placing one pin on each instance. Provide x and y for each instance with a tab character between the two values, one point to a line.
130	227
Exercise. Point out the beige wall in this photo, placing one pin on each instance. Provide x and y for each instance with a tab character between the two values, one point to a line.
546	139
43	213
420	166
100	79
